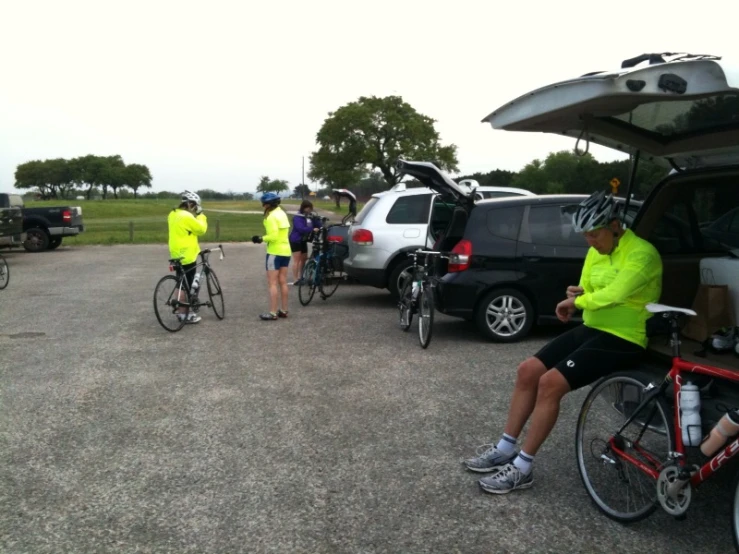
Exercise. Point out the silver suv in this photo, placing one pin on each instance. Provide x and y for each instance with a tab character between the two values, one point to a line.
398	221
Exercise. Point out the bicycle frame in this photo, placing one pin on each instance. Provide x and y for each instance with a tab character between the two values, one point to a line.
202	267
675	375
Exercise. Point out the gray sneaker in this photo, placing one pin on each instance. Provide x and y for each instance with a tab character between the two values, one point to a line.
508	479
488	459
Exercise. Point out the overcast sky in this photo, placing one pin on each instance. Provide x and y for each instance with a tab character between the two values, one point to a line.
214	94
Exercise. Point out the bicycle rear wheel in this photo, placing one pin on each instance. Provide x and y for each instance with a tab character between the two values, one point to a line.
215	293
4	273
425	315
330	279
405	306
167	302
307	287
620	489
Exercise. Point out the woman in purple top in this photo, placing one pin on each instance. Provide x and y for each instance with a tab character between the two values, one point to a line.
303	226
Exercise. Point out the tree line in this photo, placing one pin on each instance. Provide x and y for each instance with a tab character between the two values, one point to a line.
61	178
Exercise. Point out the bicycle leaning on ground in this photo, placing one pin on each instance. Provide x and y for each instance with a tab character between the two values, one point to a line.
4	273
634	458
324	268
417	295
173	299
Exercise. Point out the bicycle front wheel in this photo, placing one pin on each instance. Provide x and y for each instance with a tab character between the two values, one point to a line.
170	296
307	287
425	315
215	293
620	489
4	273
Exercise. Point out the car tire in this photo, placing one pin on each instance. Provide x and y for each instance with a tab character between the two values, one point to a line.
515	315
37	239
394	283
55	243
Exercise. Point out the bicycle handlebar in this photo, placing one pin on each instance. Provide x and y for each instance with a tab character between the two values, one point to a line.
209	250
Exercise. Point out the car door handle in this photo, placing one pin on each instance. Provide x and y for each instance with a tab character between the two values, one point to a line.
532	258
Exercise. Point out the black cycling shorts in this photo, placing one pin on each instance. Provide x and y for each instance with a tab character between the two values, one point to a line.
584	355
189	270
299	247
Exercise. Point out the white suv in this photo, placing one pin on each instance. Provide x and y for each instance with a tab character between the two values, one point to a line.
398	221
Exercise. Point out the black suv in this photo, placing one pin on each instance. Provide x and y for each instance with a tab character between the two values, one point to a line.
513	258
517	257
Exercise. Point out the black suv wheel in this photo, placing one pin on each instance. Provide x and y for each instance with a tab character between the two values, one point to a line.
505	315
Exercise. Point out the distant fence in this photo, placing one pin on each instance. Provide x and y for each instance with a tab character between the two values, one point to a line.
228	228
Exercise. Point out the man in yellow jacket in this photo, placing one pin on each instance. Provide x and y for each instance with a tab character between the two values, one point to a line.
277	227
621	275
186	223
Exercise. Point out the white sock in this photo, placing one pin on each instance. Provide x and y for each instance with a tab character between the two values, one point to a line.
523	462
507	444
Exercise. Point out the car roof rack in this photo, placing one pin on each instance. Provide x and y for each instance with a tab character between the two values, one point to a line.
660	58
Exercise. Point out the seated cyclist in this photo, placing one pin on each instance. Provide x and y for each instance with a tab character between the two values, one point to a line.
622	273
186	223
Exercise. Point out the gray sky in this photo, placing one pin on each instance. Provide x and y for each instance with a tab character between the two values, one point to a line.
215	94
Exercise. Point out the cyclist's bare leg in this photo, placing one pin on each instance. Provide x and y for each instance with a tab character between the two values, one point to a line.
282	279
296	265
530	372
272	280
552	387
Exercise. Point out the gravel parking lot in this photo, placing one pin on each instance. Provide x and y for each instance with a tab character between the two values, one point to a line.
331	431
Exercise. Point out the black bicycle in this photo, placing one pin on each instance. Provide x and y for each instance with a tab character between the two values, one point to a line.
417	295
174	301
324	269
4	273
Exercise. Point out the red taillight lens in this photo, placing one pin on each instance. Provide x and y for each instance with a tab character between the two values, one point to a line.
332	238
460	258
362	236
67	216
171	267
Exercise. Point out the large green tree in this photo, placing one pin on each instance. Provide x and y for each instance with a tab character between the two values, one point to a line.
136	176
372	133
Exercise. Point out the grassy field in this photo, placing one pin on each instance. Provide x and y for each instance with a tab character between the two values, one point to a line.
145	221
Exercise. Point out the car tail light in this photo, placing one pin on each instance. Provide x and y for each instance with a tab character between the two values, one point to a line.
363	237
460	256
67	216
335	238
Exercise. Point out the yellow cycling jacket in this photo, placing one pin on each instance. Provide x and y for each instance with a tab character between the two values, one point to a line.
277	227
619	285
184	230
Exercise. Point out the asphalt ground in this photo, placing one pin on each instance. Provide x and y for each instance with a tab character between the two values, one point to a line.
330	431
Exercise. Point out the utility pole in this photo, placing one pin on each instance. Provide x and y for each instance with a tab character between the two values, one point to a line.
302	182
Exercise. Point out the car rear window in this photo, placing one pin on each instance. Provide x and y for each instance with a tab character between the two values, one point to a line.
365	210
411	210
505	223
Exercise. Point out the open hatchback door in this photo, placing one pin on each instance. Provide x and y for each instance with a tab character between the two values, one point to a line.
432	177
680	111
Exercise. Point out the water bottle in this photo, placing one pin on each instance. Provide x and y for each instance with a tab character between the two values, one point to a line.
414	289
195	284
727	427
690	408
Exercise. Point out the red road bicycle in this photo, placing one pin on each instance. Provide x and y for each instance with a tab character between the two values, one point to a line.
630	451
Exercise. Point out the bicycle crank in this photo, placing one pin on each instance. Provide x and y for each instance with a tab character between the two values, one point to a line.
674	494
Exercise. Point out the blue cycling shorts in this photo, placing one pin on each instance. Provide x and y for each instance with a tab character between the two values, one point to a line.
276	262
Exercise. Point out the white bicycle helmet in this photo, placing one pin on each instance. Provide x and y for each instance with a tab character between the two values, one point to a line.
595	212
188	196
